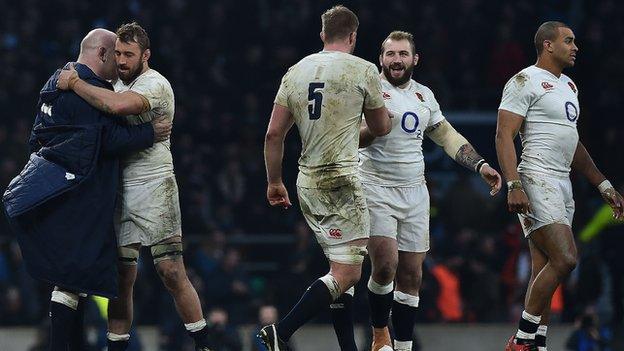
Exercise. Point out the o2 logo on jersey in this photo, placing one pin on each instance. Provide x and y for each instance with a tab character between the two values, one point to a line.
571	111
409	123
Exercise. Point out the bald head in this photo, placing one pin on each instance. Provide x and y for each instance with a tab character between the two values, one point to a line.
96	39
97	51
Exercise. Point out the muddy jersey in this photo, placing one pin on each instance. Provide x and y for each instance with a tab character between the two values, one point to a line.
155	162
326	93
550	107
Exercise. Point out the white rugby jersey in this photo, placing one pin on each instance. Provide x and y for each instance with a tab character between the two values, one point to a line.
326	92
396	159
155	162
551	110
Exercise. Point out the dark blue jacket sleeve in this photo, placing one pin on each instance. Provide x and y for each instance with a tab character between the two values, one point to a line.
120	139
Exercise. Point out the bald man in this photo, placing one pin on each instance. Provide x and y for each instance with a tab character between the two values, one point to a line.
61	205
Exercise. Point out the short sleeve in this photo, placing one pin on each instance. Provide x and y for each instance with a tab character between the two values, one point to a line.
281	98
517	96
436	112
151	89
372	89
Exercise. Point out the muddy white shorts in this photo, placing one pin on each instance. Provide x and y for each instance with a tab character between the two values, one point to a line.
337	216
550	199
148	213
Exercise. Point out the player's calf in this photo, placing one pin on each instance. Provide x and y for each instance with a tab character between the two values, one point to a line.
342	319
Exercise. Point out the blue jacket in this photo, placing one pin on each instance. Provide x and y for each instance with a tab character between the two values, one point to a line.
61	205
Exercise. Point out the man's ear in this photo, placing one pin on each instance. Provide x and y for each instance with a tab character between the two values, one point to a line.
146	54
102	53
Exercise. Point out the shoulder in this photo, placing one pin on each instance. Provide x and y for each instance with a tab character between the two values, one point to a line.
416	86
524	80
423	93
153	77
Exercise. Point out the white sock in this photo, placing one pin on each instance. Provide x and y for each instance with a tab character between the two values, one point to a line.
541	348
379	289
117	337
531	318
402	345
542	329
196	326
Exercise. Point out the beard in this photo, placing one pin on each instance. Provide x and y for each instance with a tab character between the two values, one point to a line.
407	74
131	74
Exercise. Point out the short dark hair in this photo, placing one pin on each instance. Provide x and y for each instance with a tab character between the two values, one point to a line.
399	35
338	22
547	31
133	33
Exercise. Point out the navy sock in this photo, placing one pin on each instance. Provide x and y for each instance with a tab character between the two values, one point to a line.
380	308
62	320
540	340
77	337
201	337
403	320
342	318
120	345
315	299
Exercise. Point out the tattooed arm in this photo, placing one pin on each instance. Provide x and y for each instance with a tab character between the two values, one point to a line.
454	144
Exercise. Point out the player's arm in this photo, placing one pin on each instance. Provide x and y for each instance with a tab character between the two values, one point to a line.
377	117
377	121
583	163
507	127
126	103
456	146
279	125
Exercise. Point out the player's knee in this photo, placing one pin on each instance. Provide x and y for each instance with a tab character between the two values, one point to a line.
565	264
384	272
171	275
410	278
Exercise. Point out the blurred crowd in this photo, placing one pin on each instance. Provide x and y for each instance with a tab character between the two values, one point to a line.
224	60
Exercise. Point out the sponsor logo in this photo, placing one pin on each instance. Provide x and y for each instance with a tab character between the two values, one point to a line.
335	233
420	97
571	111
385	96
572	87
547	85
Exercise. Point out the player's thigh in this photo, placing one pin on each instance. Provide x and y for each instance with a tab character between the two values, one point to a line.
548	201
339	218
538	259
127	262
556	241
413	225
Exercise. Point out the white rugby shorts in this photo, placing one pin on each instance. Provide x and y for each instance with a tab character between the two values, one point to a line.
337	216
550	199
400	213
148	213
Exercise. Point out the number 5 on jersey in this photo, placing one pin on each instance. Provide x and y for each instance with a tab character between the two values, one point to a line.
315	99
